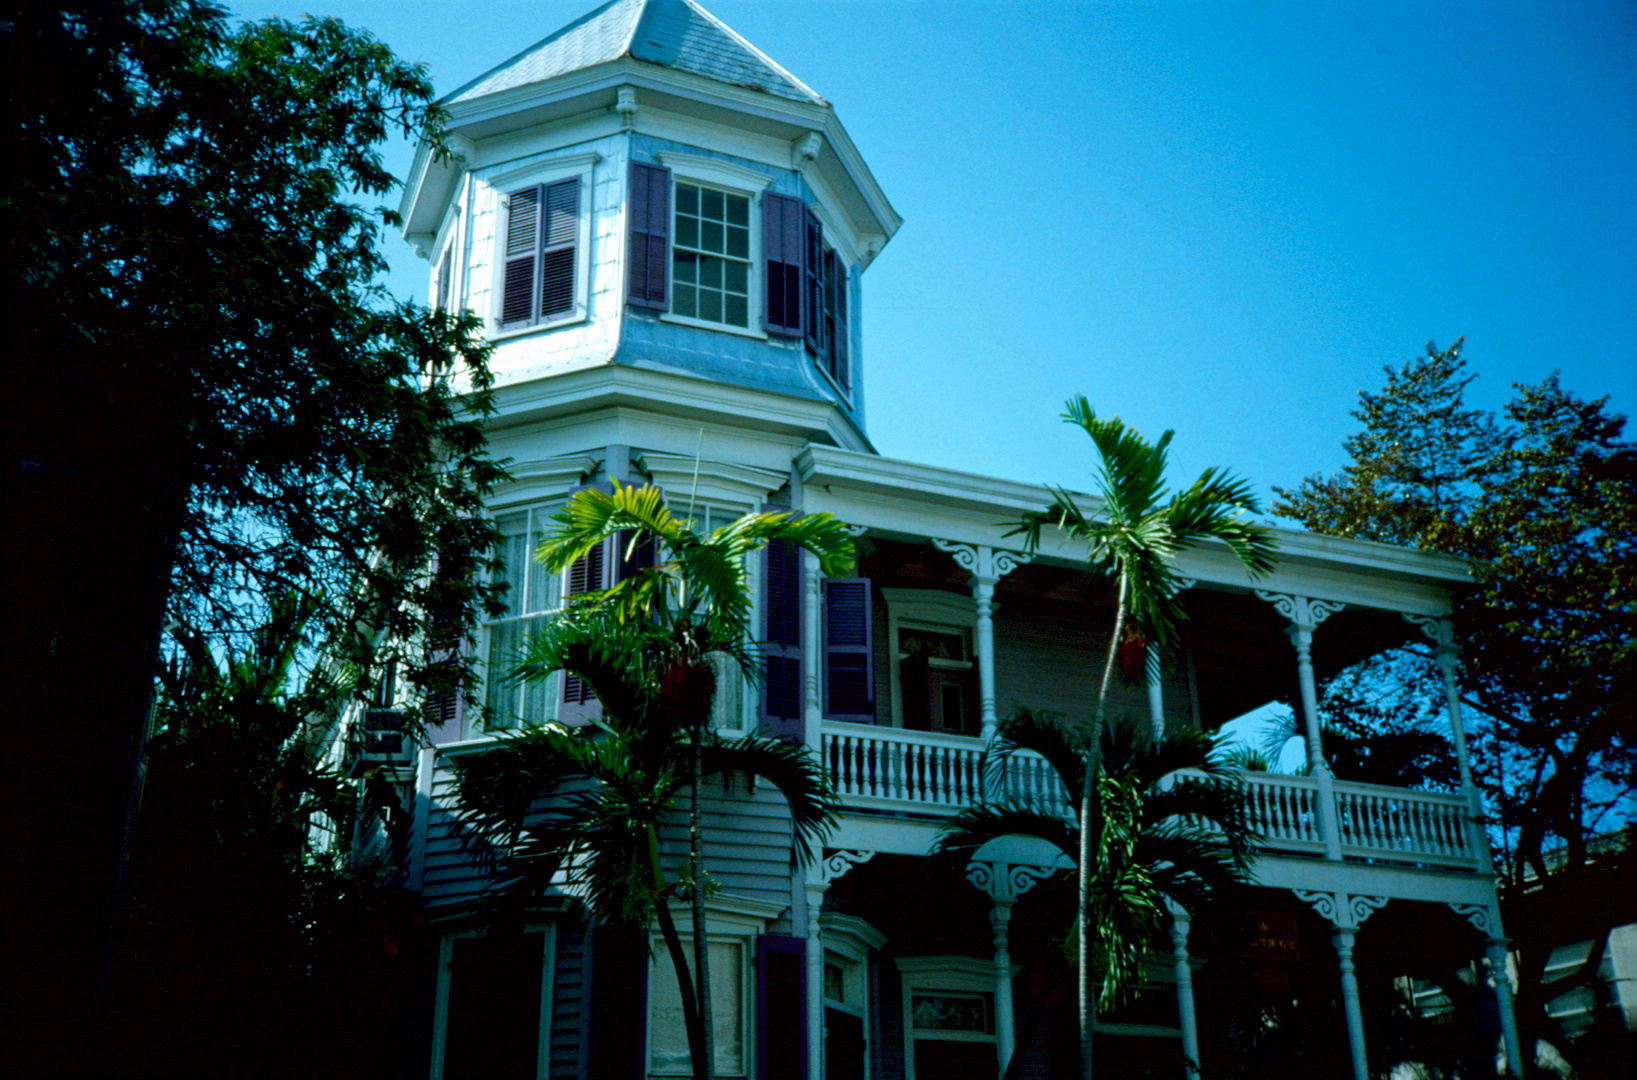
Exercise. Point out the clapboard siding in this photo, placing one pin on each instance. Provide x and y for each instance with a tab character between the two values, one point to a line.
450	876
1052	660
746	840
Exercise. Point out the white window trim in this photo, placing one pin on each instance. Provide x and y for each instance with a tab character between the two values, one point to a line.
542	172
731	920
924	609
440	1009
735	180
931	974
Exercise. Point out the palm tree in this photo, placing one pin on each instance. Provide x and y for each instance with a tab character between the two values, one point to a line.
1133	540
646	647
608	789
1167	823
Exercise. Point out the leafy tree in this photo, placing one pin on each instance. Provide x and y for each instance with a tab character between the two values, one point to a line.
210	401
1132	538
1167	823
646	648
225	945
1544	498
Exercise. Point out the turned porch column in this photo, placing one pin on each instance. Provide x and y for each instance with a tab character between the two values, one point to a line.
1004	883
1305	615
1486	919
1346	914
1448	655
1185	990
988	566
819	875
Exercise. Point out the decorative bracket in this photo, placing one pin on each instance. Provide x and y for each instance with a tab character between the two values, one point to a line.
1476	914
805	150
1005	881
837	863
626	107
1344	912
982	560
1438	629
1302	611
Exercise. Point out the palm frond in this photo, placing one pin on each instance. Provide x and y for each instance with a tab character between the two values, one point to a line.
976	825
797	775
1042	732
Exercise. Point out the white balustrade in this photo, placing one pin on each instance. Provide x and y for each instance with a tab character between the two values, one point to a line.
1394	823
920	770
891	768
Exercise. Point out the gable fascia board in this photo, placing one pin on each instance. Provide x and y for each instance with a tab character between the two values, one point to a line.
671	393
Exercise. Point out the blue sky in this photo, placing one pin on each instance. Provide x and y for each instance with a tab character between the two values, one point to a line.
1220	217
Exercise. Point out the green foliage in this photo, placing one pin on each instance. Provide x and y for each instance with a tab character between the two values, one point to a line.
238	924
1133	536
645	648
1167	822
1133	539
195	313
1544	497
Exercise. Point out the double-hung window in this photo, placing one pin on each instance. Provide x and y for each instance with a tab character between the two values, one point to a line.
708	246
710	256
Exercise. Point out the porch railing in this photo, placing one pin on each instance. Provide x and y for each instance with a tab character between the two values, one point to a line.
929	773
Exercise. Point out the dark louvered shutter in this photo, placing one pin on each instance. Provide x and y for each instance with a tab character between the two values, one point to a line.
781	640
784	248
781	1008
522	256
561	233
648	209
814	285
849	687
444	270
628	560
841	369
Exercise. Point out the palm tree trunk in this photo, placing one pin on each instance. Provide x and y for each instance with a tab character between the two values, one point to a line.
701	942
1088	1002
679	961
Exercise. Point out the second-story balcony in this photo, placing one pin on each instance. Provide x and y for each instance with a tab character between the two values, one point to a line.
933	776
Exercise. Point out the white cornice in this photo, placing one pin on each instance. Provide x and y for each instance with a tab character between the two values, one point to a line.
716	481
675	394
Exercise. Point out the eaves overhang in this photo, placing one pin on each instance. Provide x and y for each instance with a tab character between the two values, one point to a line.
675	395
432	180
972	508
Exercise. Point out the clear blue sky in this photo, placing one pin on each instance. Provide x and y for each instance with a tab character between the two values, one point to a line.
1219	217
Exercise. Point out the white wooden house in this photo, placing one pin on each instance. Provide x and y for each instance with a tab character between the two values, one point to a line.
666	234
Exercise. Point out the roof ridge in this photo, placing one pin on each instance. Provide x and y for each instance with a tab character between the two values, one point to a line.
759	54
636	27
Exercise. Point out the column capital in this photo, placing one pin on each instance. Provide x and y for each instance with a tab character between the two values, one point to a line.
1344	911
988	565
1304	612
1476	914
1005	882
1437	629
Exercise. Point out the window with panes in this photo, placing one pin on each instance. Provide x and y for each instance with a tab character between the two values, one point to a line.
534	594
710	255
